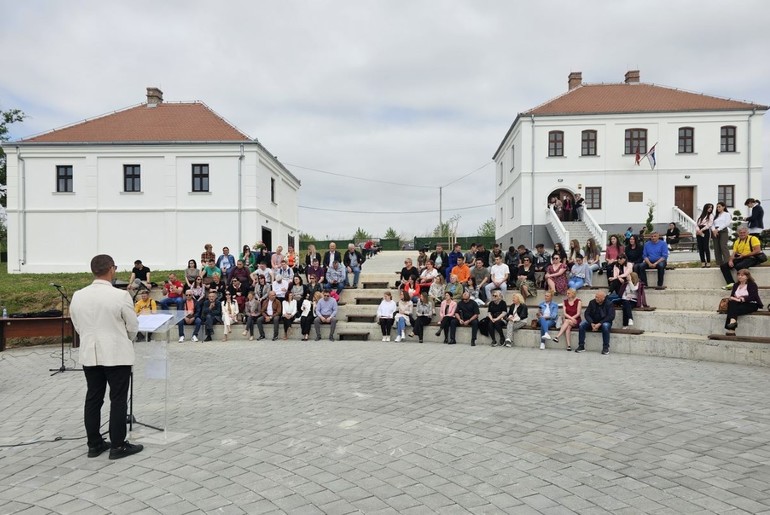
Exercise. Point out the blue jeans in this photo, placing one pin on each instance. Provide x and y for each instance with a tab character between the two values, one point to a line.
197	328
165	301
401	325
576	283
586	326
356	274
339	287
545	324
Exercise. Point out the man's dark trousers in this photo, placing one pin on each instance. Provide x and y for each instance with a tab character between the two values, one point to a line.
97	378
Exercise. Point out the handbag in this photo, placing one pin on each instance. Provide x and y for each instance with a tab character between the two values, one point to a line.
761	257
723	305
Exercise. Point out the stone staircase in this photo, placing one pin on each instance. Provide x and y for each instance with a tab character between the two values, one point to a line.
577	231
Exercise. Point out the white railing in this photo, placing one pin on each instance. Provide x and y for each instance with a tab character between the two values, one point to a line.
558	228
683	220
599	234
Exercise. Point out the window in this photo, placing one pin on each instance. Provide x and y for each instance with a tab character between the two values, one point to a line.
64	179
593	198
500	170
588	143
636	141
555	144
200	178
727	139
132	179
513	206
686	136
501	217
513	158
272	190
726	194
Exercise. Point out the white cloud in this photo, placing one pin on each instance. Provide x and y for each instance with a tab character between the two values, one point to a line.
416	92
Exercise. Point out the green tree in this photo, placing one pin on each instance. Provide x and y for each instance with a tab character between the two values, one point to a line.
361	235
650	216
737	222
391	234
445	229
6	119
303	236
487	228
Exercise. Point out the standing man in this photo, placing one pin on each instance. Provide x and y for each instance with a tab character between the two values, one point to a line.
756	217
353	260
104	318
598	317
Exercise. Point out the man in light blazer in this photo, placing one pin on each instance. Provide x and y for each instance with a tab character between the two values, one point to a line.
104	318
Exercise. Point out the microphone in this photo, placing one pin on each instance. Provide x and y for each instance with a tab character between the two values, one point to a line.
56	285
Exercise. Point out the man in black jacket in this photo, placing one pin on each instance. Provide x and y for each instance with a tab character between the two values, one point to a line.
755	219
467	314
331	255
598	317
440	260
353	259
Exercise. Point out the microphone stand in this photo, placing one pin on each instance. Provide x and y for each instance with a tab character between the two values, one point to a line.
62	368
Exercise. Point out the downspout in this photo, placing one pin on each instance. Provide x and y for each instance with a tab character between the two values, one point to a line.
532	187
22	234
240	197
748	159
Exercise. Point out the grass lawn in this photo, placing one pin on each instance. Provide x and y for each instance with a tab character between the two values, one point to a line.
22	293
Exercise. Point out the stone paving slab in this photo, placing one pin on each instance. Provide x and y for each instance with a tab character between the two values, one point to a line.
368	427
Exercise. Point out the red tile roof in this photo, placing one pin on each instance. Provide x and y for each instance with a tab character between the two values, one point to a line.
634	98
171	122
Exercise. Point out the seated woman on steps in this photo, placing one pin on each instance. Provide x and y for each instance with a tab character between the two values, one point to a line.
581	274
446	314
619	274
744	299
593	255
574	250
630	299
572	307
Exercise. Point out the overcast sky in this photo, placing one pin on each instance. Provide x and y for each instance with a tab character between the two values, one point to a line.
413	92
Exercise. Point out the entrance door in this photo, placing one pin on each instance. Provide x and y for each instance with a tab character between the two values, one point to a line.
683	199
564	215
267	238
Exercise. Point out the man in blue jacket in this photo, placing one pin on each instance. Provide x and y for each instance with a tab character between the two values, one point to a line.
654	255
598	317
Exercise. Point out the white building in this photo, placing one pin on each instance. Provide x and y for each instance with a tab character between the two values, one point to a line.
585	141
153	182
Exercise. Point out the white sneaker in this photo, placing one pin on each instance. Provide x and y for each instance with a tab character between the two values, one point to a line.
630	322
387	338
384	338
194	338
542	345
181	339
398	338
546	336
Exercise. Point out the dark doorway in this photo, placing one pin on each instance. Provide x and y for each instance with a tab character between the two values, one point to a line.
567	212
267	237
683	199
291	241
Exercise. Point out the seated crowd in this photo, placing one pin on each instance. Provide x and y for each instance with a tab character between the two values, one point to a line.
259	287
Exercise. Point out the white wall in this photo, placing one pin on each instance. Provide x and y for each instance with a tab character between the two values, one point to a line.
164	225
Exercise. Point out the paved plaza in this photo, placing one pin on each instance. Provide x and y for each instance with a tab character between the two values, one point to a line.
373	427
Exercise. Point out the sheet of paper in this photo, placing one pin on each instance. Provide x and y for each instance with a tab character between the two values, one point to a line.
152	322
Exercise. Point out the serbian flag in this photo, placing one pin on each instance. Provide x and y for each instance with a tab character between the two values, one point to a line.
638	157
650	155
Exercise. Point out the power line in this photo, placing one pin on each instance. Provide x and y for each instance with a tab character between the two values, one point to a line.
394	212
392	183
467	174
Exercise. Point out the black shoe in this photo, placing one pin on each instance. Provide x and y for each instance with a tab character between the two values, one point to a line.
318	338
275	338
732	326
446	340
261	337
420	340
207	338
140	337
473	343
331	338
126	450
453	342
494	343
439	334
93	452
605	352
580	349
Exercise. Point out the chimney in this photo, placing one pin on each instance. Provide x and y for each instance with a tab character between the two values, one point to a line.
632	76
574	80
154	97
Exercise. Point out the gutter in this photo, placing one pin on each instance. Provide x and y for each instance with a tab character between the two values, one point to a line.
748	159
22	234
240	196
532	188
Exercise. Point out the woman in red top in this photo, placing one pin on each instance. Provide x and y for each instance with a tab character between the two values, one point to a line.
571	308
556	276
412	288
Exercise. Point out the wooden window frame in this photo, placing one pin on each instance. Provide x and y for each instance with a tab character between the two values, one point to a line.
588	142
726	194
728	135
132	175
635	139
555	143
686	140
590	201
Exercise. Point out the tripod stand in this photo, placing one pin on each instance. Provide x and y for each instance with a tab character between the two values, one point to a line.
64	299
